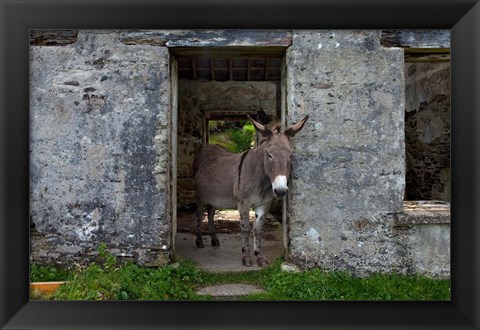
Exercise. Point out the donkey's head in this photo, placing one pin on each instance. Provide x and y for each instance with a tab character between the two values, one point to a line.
278	153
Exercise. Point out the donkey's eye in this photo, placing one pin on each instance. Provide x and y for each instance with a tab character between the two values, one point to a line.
269	156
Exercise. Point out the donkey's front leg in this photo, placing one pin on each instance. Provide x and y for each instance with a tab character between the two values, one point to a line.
245	227
260	213
198	230
211	227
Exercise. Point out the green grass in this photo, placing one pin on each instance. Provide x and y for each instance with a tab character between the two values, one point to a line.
109	281
319	285
49	274
233	139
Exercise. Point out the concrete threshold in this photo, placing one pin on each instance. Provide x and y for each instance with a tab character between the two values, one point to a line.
230	291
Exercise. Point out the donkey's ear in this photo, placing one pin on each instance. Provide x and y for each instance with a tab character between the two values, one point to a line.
296	128
260	128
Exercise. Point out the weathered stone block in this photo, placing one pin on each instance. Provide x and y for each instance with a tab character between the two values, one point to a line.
423	230
209	38
416	39
349	163
430	250
99	143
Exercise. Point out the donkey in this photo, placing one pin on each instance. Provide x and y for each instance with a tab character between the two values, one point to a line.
242	181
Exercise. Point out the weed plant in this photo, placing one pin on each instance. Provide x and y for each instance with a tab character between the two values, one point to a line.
48	274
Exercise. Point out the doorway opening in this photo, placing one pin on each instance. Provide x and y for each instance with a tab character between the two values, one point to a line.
216	90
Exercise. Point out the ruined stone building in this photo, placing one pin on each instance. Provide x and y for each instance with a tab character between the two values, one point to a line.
116	118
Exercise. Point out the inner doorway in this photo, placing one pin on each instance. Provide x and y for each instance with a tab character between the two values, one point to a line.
216	90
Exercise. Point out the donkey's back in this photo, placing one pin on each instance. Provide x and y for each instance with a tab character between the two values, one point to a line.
214	170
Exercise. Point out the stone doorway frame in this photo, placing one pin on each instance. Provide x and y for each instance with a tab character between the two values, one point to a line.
252	43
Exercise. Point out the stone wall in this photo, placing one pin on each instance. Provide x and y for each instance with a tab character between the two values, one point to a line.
349	177
427	129
99	123
423	236
101	144
195	98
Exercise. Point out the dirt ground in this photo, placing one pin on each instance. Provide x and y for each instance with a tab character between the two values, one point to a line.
227	256
225	222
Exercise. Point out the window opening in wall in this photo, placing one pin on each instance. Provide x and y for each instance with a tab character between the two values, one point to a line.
427	137
427	130
215	95
235	135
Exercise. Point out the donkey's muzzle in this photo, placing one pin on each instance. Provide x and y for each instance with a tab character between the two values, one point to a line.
280	192
279	186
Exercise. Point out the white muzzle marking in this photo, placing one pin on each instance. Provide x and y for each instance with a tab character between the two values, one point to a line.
279	186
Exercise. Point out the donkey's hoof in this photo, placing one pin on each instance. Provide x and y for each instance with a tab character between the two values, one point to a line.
215	242
199	243
247	261
262	262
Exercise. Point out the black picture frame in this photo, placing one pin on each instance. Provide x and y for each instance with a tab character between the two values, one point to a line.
17	17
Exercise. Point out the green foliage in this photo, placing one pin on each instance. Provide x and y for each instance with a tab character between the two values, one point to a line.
320	285
109	280
48	273
243	139
233	139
